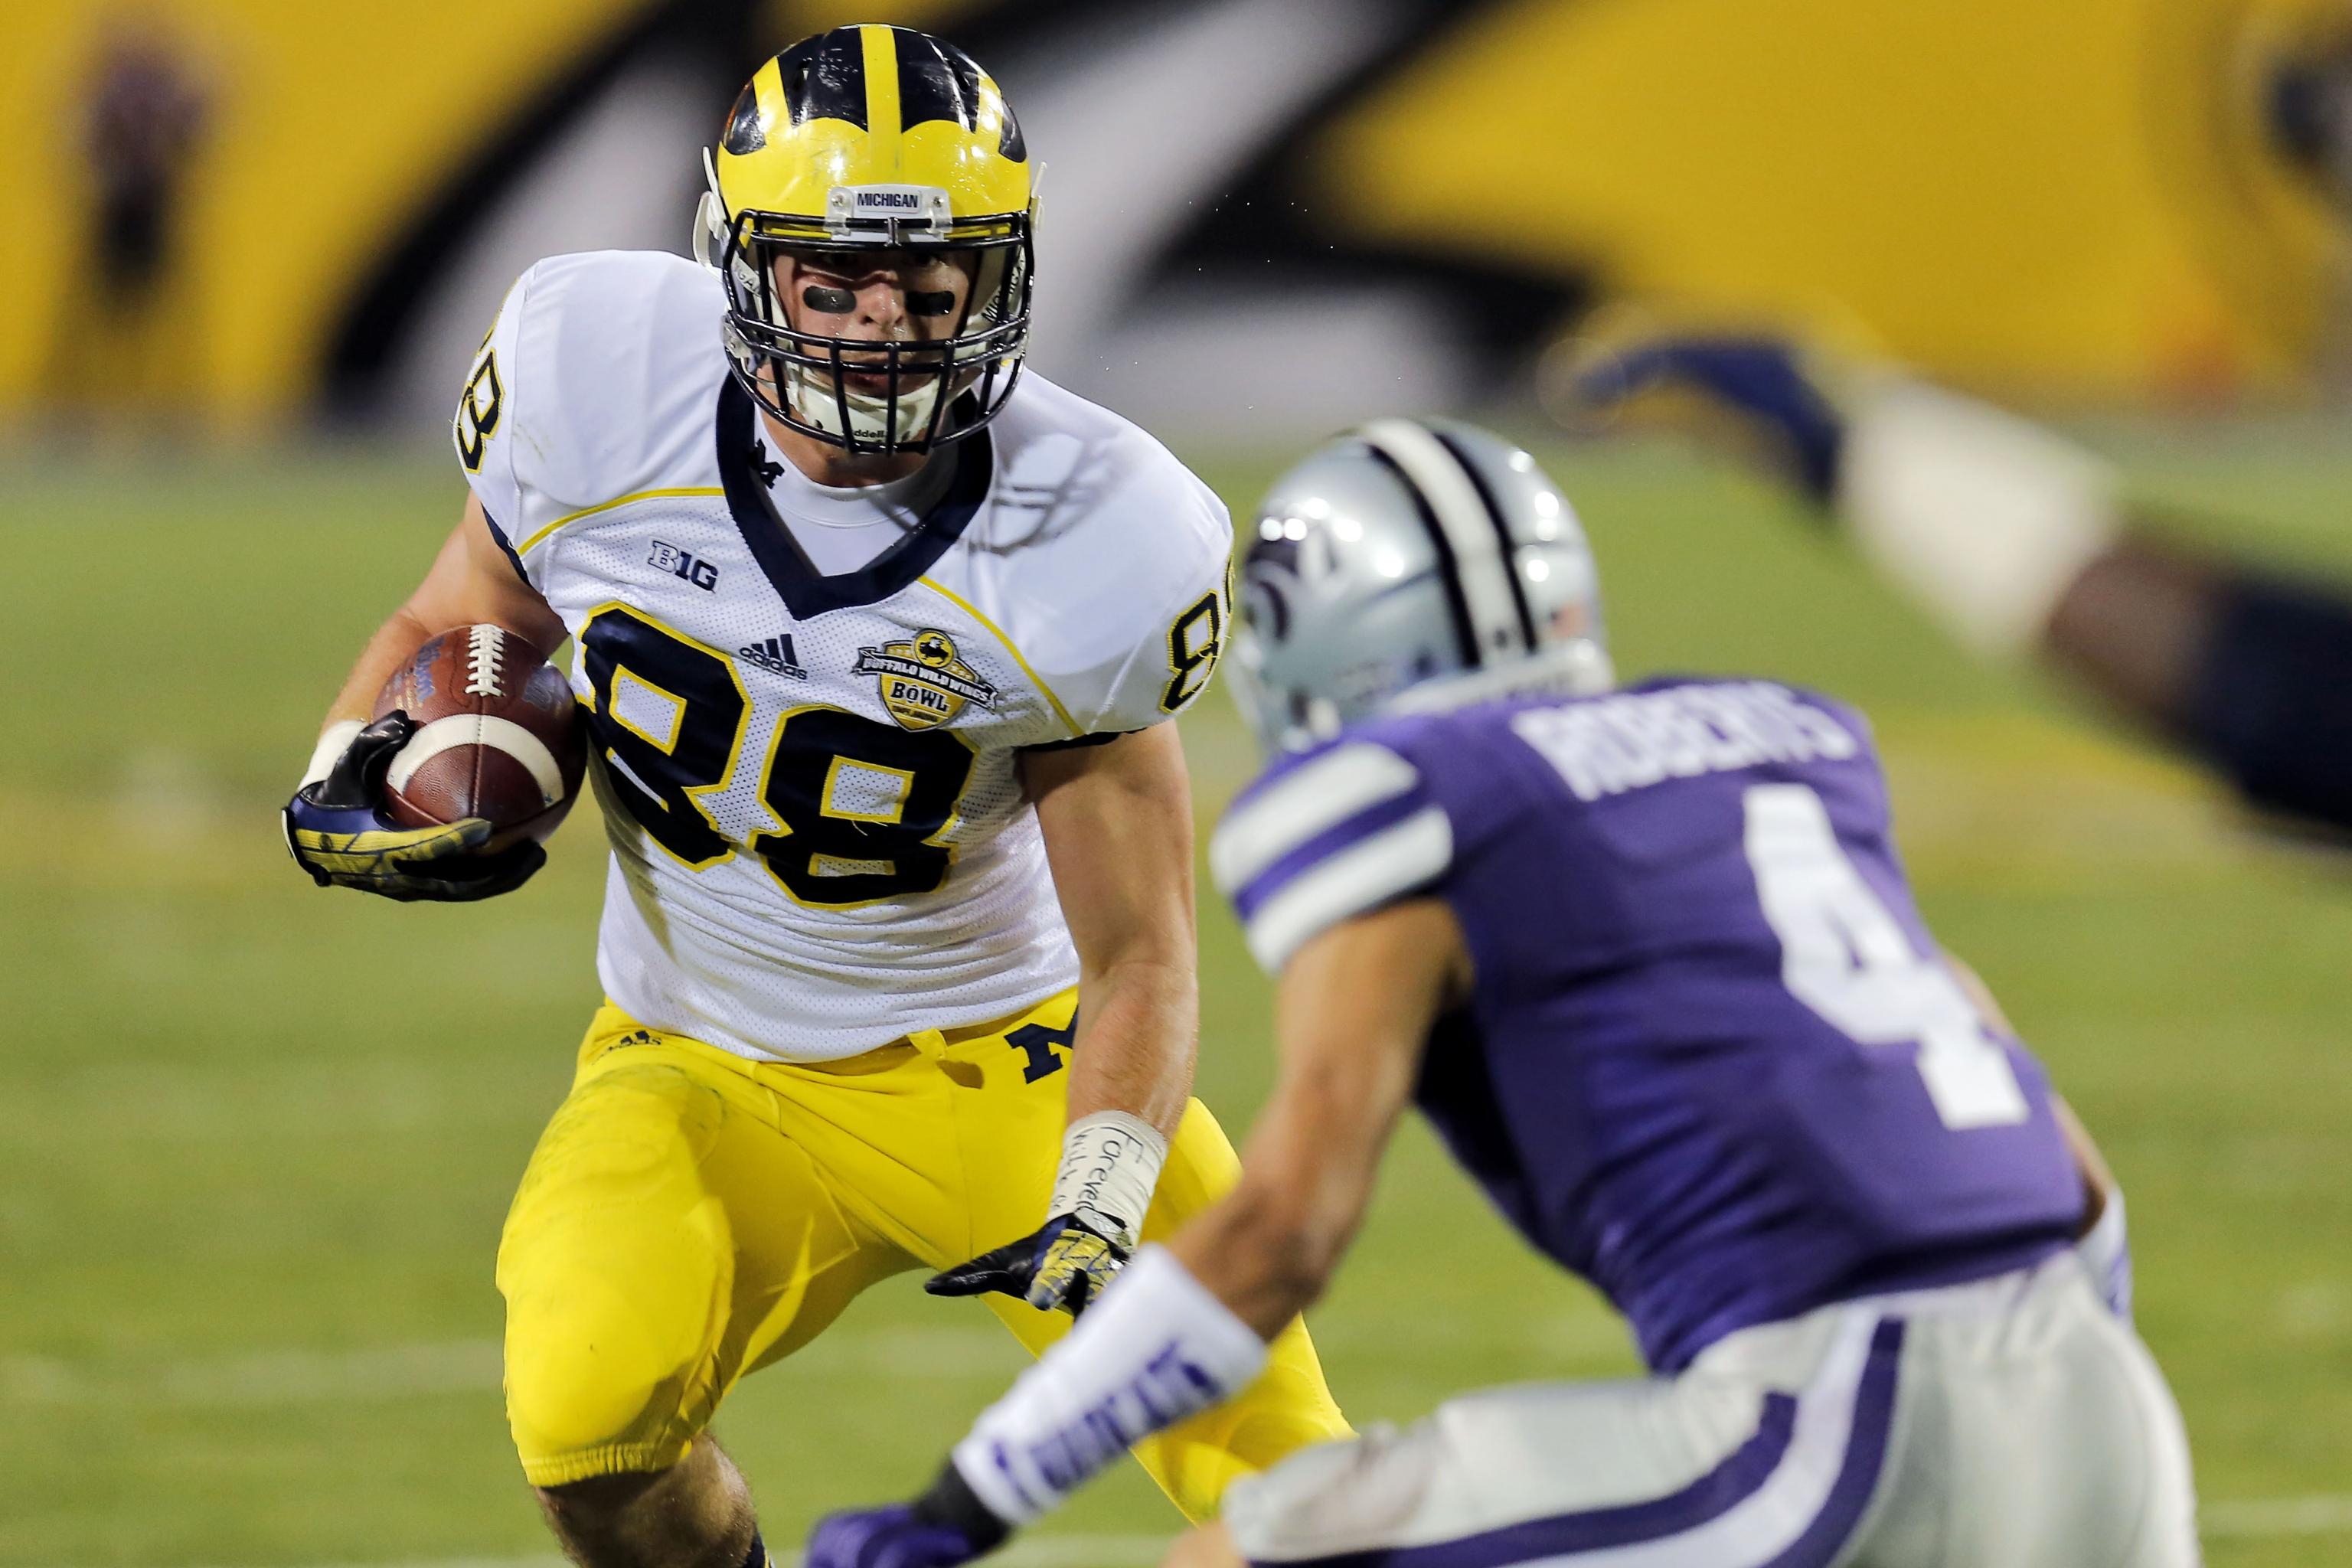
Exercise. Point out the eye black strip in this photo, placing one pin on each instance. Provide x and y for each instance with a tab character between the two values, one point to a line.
1449	571
1503	540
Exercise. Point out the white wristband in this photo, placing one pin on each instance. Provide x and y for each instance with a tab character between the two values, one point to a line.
333	742
1982	518
1159	1346
1110	1164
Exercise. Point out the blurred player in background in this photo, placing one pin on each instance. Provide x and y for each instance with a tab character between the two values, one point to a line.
128	334
2018	543
877	643
1648	961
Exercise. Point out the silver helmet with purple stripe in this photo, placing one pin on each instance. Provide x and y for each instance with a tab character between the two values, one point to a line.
1411	564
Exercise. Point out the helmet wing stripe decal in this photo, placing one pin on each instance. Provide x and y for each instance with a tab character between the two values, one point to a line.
825	77
1449	571
810	157
934	83
1458	523
883	122
1503	540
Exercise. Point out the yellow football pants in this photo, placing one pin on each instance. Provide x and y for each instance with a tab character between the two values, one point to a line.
689	1217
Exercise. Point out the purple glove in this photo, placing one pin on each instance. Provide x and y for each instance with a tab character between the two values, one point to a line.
888	1537
947	1526
1760	383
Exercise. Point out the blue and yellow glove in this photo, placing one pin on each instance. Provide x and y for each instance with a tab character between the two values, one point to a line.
337	831
1066	1263
1763	393
1102	1190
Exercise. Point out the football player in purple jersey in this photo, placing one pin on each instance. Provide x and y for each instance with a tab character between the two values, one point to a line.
1646	958
2021	544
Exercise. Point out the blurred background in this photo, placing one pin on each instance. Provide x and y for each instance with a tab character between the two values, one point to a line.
256	1140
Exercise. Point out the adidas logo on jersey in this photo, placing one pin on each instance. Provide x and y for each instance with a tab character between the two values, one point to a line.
775	654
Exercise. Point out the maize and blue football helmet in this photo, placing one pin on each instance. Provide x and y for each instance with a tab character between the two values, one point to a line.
1411	564
861	139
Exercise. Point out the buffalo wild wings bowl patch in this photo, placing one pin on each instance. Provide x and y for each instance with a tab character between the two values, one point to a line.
922	681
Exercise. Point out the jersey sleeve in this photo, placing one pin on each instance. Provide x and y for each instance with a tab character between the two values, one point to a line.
592	383
1162	599
1337	833
483	427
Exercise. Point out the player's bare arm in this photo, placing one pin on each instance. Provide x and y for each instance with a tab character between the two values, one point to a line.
1117	825
1117	820
1352	1015
2021	544
471	580
1192	1321
334	826
2102	1238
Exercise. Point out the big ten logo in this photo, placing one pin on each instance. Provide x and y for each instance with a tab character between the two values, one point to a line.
684	565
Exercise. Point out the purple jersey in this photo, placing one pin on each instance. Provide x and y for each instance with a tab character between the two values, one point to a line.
1714	1062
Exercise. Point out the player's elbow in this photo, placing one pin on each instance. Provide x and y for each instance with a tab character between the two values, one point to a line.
1292	1252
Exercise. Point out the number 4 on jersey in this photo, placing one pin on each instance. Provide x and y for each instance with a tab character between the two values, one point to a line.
1846	957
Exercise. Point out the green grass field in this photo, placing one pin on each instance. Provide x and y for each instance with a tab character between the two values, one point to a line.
255	1140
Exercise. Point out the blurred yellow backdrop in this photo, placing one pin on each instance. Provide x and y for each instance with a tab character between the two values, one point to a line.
2068	196
329	125
2010	193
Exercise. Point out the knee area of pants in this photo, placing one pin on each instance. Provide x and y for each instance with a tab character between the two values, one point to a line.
579	1378
553	1416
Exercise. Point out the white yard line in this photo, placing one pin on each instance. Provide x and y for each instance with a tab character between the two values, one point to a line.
978	1352
1036	1552
982	1352
2244	1521
266	1377
975	1352
2250	1518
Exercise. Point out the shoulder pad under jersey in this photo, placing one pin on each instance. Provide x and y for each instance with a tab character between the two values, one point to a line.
596	381
1324	837
1121	554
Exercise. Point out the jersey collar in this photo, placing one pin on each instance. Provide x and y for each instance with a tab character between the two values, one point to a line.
806	592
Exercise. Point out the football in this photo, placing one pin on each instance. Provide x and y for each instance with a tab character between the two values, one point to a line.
496	736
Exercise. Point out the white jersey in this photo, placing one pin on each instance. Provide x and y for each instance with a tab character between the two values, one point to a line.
819	840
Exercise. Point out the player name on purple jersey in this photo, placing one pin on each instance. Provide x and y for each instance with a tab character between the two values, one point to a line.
1713	1061
1612	744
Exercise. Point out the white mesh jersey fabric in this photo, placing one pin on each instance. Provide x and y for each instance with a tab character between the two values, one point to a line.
795	874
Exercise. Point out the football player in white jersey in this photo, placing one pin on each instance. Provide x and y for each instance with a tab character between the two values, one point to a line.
877	638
